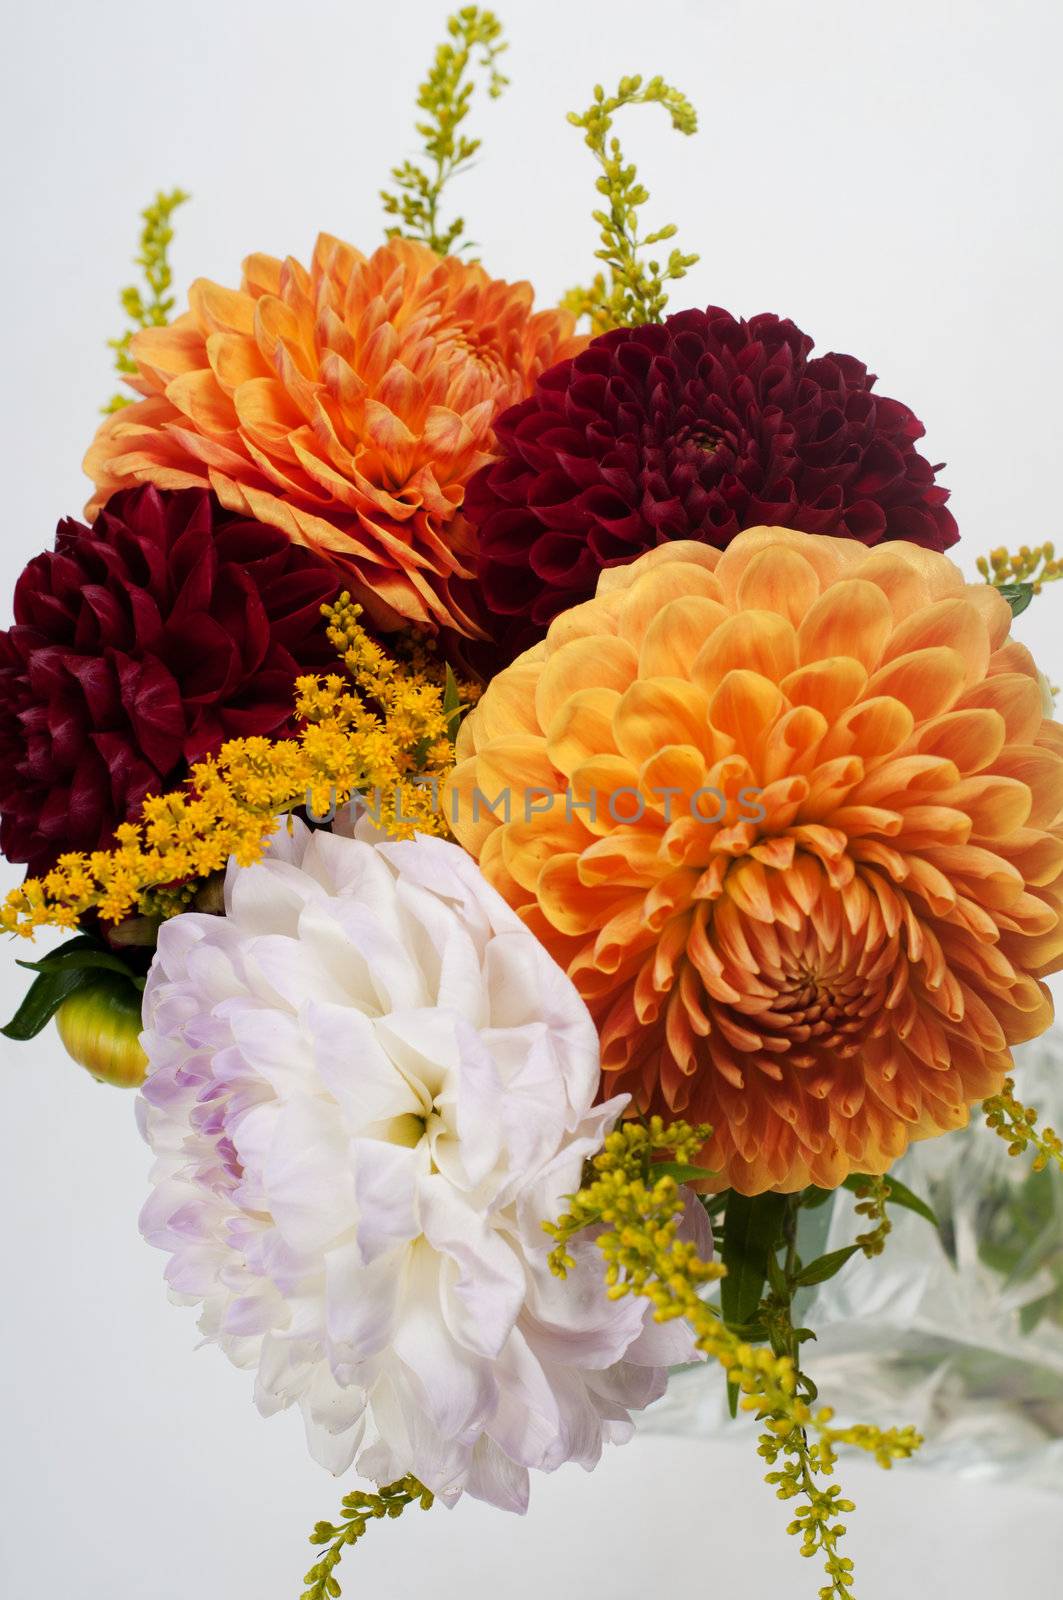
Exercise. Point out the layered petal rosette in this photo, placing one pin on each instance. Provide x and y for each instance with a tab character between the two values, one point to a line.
346	404
138	646
369	1084
693	428
790	817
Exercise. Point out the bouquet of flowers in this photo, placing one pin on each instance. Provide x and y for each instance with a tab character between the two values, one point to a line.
535	813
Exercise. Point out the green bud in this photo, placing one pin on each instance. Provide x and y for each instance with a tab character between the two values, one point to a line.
100	1028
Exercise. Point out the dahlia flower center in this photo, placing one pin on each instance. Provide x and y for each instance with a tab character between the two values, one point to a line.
470	344
820	1007
704	438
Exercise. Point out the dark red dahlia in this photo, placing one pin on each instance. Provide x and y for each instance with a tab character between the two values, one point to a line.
692	429
138	646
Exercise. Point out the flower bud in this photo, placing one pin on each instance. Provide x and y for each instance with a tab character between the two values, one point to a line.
100	1028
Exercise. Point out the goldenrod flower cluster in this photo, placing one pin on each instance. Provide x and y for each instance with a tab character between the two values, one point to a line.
1001	568
1017	1124
871	1198
156	237
639	1216
375	733
359	1509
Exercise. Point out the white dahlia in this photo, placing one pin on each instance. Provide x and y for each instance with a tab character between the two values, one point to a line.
368	1086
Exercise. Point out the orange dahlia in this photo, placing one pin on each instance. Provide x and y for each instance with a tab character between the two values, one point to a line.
790	815
347	405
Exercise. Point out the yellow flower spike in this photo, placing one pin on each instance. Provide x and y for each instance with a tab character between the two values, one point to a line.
1017	1125
367	734
643	1257
1022	567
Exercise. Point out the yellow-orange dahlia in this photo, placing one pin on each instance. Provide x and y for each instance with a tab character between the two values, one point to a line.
347	404
840	963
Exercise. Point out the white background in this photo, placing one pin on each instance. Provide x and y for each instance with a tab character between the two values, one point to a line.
887	175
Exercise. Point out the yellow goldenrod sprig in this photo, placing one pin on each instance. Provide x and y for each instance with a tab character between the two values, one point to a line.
359	1509
639	1219
154	261
384	736
635	292
871	1198
1034	565
444	98
1017	1124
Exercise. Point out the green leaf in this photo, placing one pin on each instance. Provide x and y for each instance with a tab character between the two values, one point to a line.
80	941
1018	596
733	1391
899	1195
752	1231
452	706
812	1198
751	1332
825	1267
67	960
777	1277
45	996
681	1171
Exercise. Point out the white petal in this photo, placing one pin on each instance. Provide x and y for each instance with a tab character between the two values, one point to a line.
307	1176
355	1068
361	1302
498	1480
483	1301
385	1190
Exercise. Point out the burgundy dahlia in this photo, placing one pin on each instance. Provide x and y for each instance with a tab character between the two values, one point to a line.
138	646
694	428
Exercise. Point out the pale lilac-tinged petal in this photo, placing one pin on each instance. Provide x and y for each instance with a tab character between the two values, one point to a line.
454	1387
410	1435
251	1135
307	1176
254	1313
167	1201
333	1449
448	955
361	1301
331	1406
695	1226
484	1300
493	1477
374	969
581	1327
534	1105
210	972
529	986
193	1269
542	1198
288	842
283	1375
271	1042
355	872
385	1192
626	1387
380	1463
422	1042
176	938
285	974
270	897
663	1344
448	872
579	1437
527	1419
478	1102
354	1067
